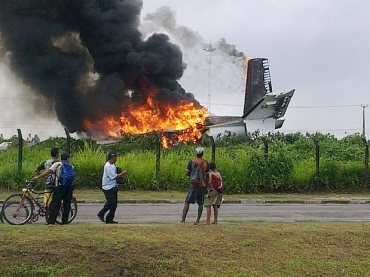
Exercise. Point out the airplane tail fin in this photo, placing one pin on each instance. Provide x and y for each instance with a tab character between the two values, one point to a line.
258	84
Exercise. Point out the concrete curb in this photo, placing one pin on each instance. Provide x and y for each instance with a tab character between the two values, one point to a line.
241	201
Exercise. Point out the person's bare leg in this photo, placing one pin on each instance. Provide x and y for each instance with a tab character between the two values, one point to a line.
184	212
208	220
200	210
215	214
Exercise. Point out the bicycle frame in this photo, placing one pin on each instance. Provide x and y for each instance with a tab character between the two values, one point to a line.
25	207
29	192
43	207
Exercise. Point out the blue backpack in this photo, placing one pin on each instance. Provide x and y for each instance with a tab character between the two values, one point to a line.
67	174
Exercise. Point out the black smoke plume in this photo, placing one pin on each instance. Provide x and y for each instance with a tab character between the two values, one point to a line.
88	57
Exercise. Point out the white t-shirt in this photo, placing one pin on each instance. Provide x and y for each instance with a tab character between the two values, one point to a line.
109	176
51	177
56	168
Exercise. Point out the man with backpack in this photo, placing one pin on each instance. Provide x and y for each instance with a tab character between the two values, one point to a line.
64	181
50	179
197	171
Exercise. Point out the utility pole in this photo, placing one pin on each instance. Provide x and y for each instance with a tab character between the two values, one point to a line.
363	120
209	49
366	160
366	163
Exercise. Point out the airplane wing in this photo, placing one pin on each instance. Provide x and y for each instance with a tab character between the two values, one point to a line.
271	105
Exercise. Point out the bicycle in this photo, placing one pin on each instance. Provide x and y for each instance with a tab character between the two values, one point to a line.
21	208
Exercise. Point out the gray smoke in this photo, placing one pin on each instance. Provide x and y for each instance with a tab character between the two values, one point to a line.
165	19
225	78
88	57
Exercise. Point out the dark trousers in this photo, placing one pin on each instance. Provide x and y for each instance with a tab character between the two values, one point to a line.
110	204
62	193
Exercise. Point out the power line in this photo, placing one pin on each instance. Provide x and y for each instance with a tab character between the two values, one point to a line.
223	104
328	106
296	107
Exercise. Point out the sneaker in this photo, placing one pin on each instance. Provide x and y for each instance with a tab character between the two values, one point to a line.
101	218
111	222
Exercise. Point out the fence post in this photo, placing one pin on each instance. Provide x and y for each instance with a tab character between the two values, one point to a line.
213	154
317	177
264	140
157	155
366	163
68	143
20	151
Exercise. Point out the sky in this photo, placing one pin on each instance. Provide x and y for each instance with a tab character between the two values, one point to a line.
319	48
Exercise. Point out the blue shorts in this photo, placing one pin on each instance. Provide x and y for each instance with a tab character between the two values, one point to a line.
195	194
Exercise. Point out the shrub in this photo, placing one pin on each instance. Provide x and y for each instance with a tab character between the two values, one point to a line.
270	173
303	175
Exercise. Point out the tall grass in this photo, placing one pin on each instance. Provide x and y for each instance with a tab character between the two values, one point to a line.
289	166
303	175
89	160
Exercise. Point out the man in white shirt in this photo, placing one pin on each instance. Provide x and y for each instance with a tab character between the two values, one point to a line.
29	138
110	188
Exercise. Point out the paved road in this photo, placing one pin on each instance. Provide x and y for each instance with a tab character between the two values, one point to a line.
171	213
229	213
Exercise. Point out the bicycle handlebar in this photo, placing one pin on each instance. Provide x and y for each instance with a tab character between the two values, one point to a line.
30	188
29	183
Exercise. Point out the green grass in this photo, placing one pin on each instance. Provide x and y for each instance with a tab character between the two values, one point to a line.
96	195
252	249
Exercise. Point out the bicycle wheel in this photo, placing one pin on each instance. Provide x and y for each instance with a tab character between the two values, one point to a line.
17	209
72	212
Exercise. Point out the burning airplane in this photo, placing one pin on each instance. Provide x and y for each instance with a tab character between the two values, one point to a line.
92	68
263	109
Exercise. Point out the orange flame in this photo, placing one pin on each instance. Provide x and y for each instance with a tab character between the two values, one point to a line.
183	120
